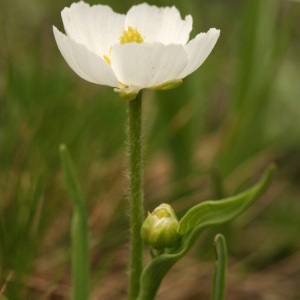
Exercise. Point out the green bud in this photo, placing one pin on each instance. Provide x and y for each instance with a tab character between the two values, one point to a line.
160	228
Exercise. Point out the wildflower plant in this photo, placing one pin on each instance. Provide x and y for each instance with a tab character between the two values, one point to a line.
148	48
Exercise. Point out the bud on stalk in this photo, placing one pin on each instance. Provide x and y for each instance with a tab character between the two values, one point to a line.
159	230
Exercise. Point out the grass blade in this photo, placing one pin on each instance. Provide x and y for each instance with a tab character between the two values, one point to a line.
79	231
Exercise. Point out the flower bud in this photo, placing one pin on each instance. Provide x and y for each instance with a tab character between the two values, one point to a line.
160	228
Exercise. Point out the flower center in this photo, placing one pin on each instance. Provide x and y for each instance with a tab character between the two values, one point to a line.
131	35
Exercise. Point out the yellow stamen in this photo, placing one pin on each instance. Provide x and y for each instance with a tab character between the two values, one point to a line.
107	59
131	35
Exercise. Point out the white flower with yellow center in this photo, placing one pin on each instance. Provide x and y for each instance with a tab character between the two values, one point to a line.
146	48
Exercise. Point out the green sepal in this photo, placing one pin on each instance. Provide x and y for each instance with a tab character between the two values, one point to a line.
167	85
127	93
193	223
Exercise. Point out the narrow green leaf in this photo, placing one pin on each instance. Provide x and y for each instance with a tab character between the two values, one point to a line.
154	273
195	221
219	282
72	184
79	231
216	212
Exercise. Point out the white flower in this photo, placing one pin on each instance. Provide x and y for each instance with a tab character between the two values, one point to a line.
146	48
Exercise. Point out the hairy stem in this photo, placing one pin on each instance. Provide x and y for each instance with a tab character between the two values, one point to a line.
135	194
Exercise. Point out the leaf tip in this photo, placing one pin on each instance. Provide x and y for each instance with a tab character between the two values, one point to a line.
218	237
269	172
272	167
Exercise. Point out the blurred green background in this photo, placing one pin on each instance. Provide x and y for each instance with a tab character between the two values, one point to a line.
207	139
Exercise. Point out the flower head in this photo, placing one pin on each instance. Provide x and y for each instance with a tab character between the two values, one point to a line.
146	48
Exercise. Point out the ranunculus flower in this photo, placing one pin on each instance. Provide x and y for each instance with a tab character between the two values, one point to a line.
146	48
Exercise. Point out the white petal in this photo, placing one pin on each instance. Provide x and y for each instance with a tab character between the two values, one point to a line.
159	24
198	50
85	63
147	65
97	27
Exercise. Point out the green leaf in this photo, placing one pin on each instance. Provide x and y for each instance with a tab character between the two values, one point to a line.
71	182
219	283
79	230
193	223
217	212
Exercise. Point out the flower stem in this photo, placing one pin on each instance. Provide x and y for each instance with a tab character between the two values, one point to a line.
135	194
